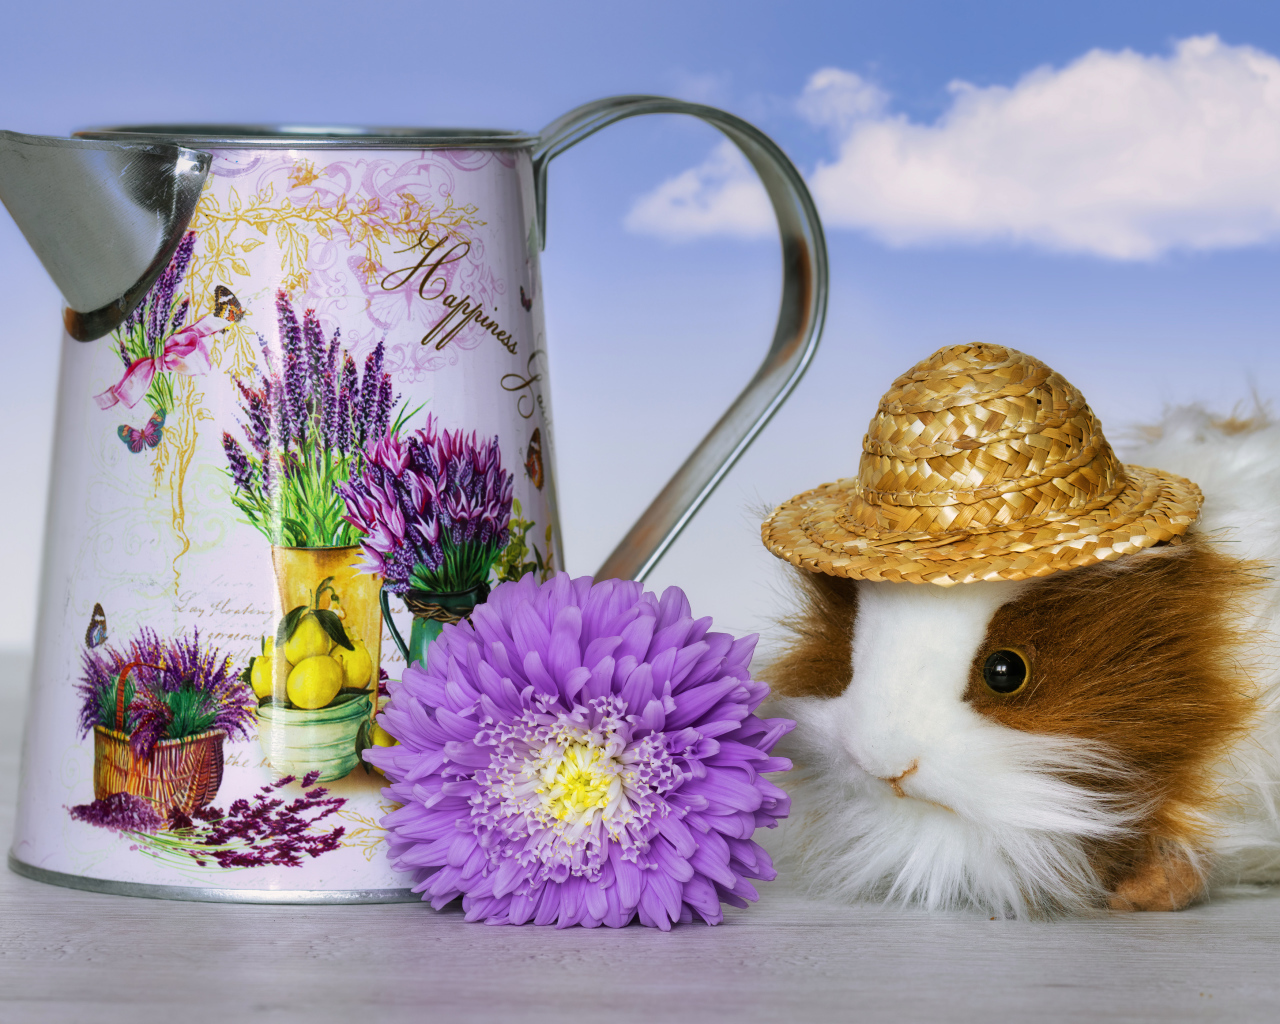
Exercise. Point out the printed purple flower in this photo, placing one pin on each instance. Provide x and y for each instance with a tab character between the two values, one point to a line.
241	471
160	300
368	421
434	508
147	330
304	421
582	753
120	812
180	315
268	830
296	389
250	833
172	690
256	405
348	399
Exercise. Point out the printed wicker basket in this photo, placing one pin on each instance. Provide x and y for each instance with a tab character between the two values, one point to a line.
179	775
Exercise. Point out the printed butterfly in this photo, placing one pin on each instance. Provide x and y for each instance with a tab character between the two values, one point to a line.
96	634
525	300
148	437
533	459
226	305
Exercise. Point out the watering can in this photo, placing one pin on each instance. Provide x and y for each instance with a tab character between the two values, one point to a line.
303	382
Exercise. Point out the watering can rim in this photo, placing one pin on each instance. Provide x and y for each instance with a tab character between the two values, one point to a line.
304	136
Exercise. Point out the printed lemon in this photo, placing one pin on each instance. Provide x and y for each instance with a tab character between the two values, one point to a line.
379	737
260	676
357	666
309	640
313	683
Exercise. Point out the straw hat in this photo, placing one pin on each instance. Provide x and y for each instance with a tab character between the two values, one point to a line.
981	463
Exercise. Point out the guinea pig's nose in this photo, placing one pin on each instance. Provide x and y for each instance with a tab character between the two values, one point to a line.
886	774
895	781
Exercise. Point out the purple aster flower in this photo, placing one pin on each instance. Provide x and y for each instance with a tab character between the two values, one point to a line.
582	753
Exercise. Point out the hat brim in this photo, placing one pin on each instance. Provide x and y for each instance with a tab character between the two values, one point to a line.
813	531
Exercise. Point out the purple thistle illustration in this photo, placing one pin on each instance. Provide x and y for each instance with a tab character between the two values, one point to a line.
582	753
434	508
306	412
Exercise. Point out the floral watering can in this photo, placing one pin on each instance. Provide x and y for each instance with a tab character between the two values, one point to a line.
303	384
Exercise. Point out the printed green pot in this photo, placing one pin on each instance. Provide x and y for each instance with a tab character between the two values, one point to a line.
297	742
431	610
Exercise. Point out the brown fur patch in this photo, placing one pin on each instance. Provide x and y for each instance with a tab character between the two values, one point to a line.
1165	880
817	661
1141	654
1237	423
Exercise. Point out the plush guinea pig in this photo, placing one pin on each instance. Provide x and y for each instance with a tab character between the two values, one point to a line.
1029	678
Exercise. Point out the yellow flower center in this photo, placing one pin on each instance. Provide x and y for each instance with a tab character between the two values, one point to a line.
578	782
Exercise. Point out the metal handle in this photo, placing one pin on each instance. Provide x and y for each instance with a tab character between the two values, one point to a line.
804	307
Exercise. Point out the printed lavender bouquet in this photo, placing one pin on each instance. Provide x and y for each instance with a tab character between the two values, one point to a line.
307	424
434	508
162	690
155	341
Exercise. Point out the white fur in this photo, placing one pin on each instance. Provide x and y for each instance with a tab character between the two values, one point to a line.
1240	477
986	818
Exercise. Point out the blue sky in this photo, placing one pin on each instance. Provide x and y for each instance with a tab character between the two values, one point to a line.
1144	269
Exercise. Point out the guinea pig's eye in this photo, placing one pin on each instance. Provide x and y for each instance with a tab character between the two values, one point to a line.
1006	671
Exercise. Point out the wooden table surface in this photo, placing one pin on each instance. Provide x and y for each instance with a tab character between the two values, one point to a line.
67	955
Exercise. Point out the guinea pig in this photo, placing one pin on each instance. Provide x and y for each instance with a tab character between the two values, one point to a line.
1028	678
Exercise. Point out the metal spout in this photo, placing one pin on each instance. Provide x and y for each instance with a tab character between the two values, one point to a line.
104	217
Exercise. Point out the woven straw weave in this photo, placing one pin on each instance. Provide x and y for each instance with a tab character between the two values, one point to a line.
980	463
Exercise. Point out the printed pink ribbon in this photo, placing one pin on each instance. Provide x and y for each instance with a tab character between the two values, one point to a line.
184	352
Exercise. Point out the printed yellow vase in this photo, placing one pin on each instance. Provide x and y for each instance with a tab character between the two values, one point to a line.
328	722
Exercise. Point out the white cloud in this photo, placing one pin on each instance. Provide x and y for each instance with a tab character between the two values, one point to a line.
721	196
1117	154
838	99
